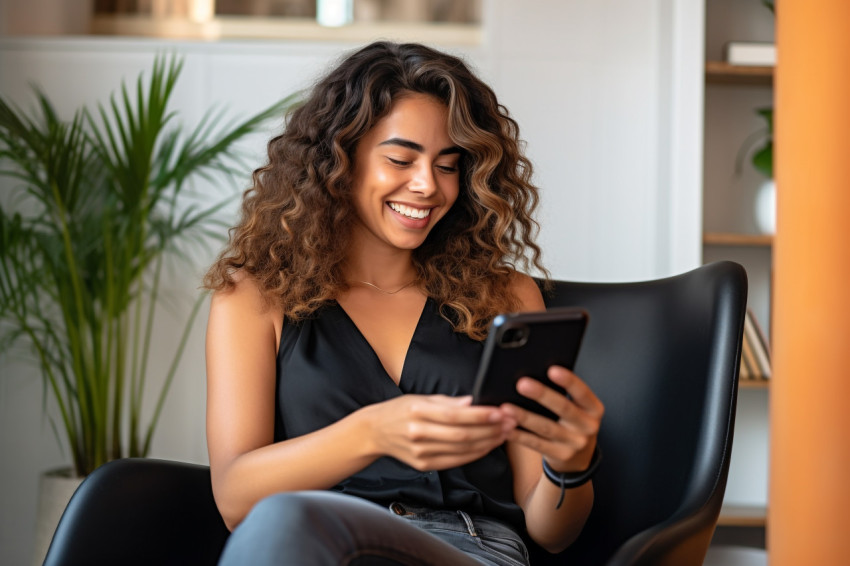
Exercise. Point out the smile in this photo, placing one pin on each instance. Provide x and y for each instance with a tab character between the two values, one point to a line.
409	211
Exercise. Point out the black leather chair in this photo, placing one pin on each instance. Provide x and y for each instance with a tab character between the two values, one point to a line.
662	355
139	511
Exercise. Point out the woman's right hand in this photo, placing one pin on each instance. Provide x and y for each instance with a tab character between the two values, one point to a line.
436	432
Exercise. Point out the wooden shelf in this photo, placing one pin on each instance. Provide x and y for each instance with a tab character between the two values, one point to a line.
753	383
742	516
239	27
730	239
719	72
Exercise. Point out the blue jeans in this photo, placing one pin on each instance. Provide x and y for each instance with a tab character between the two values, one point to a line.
319	528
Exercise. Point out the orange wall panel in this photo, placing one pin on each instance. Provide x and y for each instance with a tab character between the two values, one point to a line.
809	499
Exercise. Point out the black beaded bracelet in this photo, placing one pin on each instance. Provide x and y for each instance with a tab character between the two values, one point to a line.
568	480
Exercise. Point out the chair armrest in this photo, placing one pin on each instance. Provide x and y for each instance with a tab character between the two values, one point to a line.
140	511
680	541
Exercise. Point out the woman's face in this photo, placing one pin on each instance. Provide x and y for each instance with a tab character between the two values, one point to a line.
406	174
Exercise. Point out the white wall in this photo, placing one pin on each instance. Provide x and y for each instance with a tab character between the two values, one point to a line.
608	97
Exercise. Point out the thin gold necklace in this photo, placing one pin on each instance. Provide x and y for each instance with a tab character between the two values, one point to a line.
372	285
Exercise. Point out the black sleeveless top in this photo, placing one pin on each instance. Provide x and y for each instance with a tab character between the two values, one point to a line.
326	370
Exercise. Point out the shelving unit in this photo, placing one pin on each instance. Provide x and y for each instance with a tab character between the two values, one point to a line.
749	249
732	239
754	384
738	244
733	93
720	72
742	516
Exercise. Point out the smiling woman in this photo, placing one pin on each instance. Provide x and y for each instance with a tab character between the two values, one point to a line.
376	245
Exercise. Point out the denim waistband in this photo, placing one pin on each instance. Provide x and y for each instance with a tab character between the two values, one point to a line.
453	520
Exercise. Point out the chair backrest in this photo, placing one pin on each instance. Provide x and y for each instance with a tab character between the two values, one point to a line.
663	357
138	511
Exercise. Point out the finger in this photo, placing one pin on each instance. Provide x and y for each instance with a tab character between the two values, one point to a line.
434	449
553	400
571	455
581	394
465	435
539	425
462	401
433	455
568	413
449	410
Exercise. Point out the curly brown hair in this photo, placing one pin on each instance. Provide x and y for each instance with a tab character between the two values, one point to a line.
297	216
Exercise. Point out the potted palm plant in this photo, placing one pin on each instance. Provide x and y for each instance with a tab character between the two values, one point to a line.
100	201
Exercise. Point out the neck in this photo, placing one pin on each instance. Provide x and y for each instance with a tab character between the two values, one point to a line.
386	276
386	268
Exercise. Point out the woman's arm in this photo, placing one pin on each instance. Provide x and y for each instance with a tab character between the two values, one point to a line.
427	432
245	465
567	445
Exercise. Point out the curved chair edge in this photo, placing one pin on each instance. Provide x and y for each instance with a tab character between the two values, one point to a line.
125	505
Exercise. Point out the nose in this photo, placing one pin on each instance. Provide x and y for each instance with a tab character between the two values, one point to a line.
423	182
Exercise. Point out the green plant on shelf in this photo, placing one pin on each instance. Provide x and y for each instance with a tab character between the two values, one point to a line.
762	158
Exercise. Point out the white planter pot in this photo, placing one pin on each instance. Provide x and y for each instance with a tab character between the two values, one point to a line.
55	489
765	207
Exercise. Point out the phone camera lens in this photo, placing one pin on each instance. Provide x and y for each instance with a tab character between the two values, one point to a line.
514	337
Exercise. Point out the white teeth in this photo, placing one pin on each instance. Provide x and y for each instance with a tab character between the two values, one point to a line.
410	212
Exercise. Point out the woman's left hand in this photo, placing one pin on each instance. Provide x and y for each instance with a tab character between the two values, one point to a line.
568	443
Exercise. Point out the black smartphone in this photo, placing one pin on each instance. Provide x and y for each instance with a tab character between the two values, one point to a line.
527	344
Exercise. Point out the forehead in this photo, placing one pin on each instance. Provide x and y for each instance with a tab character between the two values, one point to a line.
416	113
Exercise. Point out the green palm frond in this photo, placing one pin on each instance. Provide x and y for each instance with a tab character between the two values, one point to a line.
100	201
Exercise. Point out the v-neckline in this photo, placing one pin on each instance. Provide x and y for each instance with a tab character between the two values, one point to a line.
374	353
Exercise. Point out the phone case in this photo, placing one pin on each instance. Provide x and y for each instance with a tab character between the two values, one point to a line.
527	344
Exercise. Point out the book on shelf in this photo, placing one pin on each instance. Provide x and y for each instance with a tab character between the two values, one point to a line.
747	53
755	353
758	344
749	369
762	337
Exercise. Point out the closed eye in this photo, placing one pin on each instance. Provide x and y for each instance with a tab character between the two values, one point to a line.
398	162
447	168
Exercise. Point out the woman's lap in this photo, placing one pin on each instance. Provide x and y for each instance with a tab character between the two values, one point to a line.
318	527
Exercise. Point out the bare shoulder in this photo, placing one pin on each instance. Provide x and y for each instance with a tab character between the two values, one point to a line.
243	307
245	295
525	288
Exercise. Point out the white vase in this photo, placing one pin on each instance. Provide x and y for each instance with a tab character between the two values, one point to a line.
765	207
55	489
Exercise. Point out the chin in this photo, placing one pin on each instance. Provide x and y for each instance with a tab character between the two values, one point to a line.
408	245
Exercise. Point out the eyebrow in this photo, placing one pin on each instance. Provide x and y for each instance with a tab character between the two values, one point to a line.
418	147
